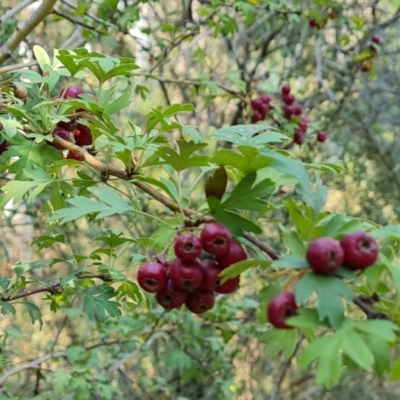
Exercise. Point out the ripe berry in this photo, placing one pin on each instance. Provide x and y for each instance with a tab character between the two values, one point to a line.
185	275
200	301
256	104
322	136
282	307
171	297
71	91
4	146
360	250
83	135
187	247
313	23
152	277
288	111
230	286
235	254
211	278
257	116
74	156
303	124
264	109
265	98
285	89
297	109
325	255
376	39
298	136
215	238
63	134
288	98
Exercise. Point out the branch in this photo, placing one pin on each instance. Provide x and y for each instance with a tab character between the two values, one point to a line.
23	31
15	10
9	68
364	303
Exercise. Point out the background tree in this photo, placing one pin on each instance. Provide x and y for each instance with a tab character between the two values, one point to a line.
170	132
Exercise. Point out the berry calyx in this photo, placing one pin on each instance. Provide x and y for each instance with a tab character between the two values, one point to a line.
200	301
322	136
325	255
171	297
215	238
71	91
187	247
152	277
211	278
282	307
234	254
360	250
185	275
230	286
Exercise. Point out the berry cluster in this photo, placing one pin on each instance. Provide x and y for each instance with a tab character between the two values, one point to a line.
81	134
321	22
374	47
261	107
189	280
355	251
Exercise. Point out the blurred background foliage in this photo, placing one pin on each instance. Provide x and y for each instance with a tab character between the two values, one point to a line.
216	55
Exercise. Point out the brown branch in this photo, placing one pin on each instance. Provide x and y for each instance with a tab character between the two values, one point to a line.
23	31
272	253
15	10
9	68
365	305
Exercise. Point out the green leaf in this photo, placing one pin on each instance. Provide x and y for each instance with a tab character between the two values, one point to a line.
386	232
241	266
382	329
34	312
381	353
235	222
96	302
305	318
41	56
395	371
45	241
279	340
215	184
183	159
291	261
355	347
330	291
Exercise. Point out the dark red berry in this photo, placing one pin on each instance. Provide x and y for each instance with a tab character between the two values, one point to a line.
4	146
171	297
265	98
297	109
376	39
313	23
298	136
303	124
257	116
211	278
360	250
200	301
185	275
325	255
71	91
74	156
282	307
288	111
187	247
322	136
235	254
288	98
264	109
256	104
63	134
230	286
285	89
215	238
152	277
83	135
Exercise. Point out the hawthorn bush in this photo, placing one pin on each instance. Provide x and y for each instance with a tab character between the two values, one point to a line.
230	219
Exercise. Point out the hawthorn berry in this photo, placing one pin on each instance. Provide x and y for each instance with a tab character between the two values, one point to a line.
230	286
298	136
211	278
74	156
200	301
288	111
152	276
71	91
297	109
187	247
63	134
303	124
171	297
285	89
185	275
257	116
256	104
282	307
265	98
325	255
376	39
215	238
288	99
83	135
234	254
4	146
322	136
360	250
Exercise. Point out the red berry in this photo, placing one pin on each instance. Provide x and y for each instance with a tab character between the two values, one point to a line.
313	23
71	91
288	111
83	135
282	307
256	104
74	156
325	255
152	277
322	136
187	247
230	286
200	301
4	146
285	89
298	136
297	109
360	250
235	254
185	275
257	116
303	125
215	238
288	98
171	297
376	39
211	278
63	134
265	98
264	109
